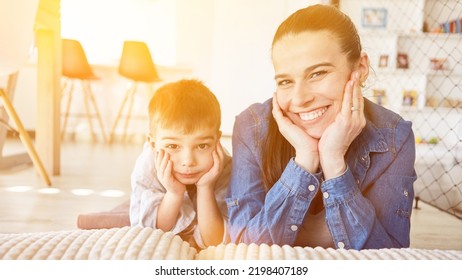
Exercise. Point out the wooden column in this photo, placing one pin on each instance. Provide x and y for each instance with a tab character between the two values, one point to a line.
48	42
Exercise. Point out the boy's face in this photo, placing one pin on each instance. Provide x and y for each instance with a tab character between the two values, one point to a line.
191	154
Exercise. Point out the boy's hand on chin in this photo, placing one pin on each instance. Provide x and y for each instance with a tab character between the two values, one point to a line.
164	167
209	178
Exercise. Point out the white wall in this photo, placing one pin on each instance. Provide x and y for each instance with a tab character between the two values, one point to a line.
226	43
229	47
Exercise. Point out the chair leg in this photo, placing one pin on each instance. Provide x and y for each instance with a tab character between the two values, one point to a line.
98	115
119	114
24	136
68	106
129	113
63	88
88	111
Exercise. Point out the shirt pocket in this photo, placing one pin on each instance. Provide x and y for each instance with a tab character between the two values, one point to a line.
393	196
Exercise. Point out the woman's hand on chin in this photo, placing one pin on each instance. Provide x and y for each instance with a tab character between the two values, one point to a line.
306	147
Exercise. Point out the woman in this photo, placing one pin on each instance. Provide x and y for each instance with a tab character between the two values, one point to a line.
319	165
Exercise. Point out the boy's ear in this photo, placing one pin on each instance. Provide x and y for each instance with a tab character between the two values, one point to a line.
151	141
219	134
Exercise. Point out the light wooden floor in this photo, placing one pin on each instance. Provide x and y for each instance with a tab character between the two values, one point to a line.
96	177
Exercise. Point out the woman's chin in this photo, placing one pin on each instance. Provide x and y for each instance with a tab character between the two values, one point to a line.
314	133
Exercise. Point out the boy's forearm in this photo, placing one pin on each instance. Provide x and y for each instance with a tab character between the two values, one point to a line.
168	211
209	217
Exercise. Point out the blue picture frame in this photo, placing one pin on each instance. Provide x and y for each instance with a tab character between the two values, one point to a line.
374	17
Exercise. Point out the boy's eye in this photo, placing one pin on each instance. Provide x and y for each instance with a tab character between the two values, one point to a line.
171	146
203	146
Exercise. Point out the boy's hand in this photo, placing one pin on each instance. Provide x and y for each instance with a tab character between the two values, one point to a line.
164	167
209	178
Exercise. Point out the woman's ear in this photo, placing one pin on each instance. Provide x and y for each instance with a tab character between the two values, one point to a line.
363	68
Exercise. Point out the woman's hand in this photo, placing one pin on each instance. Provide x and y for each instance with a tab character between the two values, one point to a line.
306	147
164	167
209	178
349	122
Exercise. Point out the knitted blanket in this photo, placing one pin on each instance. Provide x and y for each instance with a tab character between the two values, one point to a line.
147	244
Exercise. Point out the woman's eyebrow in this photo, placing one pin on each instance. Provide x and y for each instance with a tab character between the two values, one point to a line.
307	70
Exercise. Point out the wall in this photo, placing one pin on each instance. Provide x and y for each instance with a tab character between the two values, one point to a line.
224	43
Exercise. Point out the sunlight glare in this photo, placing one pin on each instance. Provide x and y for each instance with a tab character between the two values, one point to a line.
82	192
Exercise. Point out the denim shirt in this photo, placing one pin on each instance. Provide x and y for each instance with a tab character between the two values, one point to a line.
369	206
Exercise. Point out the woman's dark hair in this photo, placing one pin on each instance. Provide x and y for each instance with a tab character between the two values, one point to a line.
312	18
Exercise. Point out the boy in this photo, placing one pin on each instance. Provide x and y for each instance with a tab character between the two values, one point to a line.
180	179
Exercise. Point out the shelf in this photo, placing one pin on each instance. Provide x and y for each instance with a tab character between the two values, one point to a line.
432	36
430	110
414	72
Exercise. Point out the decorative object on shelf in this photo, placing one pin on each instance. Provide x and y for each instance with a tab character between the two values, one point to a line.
432	140
409	98
438	63
431	102
383	61
451	103
374	17
453	26
379	96
402	61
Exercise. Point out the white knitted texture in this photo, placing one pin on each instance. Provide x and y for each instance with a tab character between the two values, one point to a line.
275	252
129	243
137	243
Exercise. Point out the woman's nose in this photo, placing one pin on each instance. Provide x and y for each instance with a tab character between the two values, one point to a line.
301	95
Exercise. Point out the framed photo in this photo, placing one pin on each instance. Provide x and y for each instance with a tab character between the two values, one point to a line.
374	17
379	96
383	61
402	61
409	98
438	63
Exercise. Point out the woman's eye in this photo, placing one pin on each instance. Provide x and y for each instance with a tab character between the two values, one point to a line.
283	83
317	74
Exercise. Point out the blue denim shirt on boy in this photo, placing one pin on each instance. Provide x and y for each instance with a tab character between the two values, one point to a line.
369	206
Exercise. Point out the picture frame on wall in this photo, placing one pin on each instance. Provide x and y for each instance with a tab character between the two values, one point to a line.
402	61
409	98
438	63
374	17
383	61
379	96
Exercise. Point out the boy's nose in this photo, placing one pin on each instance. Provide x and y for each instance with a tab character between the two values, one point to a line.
188	159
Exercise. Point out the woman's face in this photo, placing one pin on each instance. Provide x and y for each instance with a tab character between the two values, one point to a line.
310	72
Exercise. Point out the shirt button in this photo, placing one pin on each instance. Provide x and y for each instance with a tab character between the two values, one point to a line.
311	188
293	227
340	245
326	195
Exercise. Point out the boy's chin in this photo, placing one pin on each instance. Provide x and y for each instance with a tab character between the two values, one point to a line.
187	181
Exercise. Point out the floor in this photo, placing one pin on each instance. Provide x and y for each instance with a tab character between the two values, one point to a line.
96	177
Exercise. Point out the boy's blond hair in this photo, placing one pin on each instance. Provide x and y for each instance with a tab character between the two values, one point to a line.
186	105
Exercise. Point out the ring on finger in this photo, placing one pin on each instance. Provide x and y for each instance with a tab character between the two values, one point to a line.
353	108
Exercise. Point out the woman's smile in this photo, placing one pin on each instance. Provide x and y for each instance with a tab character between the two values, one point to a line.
312	115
